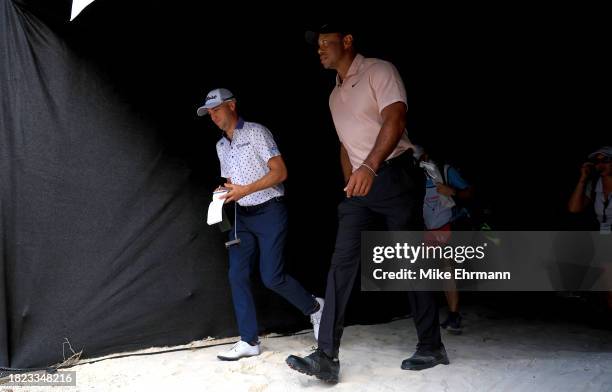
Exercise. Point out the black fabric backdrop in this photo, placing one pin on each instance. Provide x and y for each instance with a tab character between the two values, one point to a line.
105	172
103	237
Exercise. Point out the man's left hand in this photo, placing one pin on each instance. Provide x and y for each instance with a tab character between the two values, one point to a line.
236	192
360	182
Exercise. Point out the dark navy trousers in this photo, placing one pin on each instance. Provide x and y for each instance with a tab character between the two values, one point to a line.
262	231
397	196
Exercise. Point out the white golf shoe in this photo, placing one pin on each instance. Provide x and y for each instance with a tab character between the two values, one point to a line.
239	350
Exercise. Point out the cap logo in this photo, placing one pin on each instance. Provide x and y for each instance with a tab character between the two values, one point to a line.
208	98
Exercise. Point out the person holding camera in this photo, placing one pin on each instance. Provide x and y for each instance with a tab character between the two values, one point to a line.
594	188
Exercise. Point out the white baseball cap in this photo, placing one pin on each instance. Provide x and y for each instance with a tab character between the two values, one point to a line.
605	151
215	98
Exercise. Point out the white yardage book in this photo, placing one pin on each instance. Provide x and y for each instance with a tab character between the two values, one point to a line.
215	208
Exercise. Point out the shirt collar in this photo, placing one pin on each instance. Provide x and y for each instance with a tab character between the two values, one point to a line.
353	69
239	125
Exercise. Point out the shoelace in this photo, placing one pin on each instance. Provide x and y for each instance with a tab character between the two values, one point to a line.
235	346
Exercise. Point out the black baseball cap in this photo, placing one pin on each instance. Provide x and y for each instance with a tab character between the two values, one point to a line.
312	36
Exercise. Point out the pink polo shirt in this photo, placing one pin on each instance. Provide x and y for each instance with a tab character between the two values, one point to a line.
356	105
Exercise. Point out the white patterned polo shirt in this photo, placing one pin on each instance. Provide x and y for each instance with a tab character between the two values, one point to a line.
245	158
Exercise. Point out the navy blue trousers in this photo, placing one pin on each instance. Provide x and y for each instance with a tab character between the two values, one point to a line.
262	232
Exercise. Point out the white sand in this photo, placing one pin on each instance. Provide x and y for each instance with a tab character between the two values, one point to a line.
492	355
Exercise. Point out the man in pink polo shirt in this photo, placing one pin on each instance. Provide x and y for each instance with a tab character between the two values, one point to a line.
368	107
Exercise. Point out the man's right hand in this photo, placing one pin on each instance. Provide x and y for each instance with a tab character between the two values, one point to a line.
360	183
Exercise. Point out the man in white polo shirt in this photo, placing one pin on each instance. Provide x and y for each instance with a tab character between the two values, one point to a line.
255	171
368	107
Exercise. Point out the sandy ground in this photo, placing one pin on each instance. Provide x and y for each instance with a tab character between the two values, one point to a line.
491	355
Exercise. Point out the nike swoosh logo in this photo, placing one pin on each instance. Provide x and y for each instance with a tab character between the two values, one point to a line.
355	84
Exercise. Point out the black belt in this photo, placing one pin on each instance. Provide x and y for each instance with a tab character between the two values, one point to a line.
260	205
405	159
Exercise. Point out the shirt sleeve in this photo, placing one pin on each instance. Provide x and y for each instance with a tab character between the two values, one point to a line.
224	170
263	143
387	85
455	180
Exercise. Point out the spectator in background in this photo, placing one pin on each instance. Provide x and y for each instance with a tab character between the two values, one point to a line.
594	187
440	218
593	191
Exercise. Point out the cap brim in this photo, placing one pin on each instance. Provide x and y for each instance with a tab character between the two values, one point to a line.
599	152
202	111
